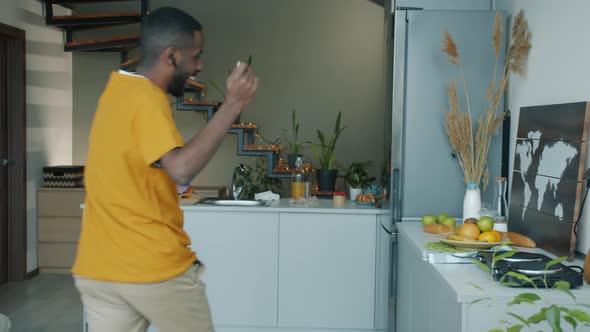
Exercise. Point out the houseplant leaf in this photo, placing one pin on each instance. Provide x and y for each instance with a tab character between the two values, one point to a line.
571	321
564	286
521	319
555	261
515	328
553	317
481	300
217	87
525	297
537	317
502	256
482	265
579	315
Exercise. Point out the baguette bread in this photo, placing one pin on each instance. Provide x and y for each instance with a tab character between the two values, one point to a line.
520	240
438	228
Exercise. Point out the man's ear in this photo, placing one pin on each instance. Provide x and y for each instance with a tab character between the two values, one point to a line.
170	56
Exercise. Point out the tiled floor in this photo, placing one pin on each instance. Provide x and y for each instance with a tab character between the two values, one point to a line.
47	303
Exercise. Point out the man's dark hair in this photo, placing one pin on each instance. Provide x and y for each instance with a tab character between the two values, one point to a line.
163	28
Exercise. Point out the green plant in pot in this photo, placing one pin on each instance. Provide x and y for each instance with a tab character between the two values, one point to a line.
255	179
357	178
324	153
292	139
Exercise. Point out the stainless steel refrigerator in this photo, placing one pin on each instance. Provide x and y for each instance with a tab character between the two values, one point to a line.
426	178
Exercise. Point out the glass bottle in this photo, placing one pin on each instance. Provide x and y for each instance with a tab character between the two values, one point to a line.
500	205
299	180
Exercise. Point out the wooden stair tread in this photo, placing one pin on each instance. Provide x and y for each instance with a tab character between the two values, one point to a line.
130	62
261	147
103	40
201	102
196	84
282	170
244	125
102	15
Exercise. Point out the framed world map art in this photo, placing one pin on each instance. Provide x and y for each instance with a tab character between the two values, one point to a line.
547	180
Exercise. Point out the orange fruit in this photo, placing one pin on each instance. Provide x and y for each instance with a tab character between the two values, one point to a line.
498	235
469	230
489	236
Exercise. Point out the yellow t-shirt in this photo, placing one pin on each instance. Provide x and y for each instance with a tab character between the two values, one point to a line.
132	228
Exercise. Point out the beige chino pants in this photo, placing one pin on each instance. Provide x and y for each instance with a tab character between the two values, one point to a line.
175	305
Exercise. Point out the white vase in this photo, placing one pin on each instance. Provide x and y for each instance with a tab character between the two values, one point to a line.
471	202
354	192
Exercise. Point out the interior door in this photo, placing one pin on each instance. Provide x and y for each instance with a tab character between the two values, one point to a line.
3	169
13	217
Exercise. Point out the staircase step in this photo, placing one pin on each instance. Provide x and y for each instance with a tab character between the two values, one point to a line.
118	44
201	102
282	170
130	64
261	147
196	84
244	125
93	20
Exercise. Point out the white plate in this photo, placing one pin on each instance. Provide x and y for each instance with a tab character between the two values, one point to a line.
470	244
363	203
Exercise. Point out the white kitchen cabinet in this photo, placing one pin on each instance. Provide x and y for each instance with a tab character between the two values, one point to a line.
293	268
327	270
424	303
440	297
240	253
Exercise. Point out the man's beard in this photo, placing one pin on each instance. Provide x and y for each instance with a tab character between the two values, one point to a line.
176	86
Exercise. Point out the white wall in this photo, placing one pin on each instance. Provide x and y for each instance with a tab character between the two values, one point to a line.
49	102
317	57
558	69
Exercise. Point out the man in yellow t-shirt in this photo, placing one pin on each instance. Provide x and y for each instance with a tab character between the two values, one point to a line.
133	264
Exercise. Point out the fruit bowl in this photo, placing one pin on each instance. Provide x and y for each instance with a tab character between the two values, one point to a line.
363	203
469	244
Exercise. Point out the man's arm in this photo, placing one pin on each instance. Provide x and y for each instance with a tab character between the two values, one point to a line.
183	164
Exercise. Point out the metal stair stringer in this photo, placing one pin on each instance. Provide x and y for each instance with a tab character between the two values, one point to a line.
244	135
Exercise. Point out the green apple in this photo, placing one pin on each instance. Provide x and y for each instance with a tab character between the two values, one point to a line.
442	217
449	221
485	224
428	219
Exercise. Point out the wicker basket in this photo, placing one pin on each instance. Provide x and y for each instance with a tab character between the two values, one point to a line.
63	176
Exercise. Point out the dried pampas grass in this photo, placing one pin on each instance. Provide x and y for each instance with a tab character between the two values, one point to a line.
472	155
450	48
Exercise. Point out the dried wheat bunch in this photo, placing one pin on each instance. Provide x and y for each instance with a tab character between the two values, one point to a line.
472	152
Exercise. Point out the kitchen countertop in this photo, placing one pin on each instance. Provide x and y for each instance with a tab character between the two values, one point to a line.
283	205
459	275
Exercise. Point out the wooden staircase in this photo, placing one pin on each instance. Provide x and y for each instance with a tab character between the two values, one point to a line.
195	92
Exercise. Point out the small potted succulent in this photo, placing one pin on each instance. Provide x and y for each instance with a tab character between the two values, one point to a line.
357	178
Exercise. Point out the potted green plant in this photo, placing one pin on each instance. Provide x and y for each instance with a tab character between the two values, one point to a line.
254	179
357	178
292	139
324	153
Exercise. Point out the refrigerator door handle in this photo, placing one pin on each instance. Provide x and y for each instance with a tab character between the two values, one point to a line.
396	200
392	233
